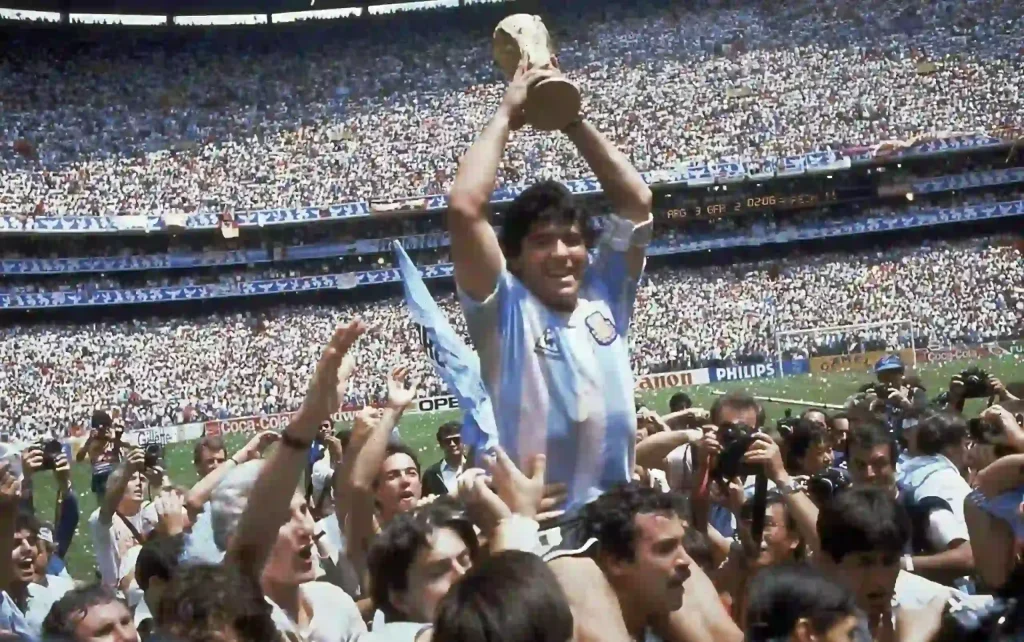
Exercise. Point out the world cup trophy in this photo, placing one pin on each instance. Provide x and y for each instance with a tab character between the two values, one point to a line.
552	104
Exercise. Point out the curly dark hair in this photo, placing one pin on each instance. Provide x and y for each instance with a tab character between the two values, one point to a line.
543	202
395	549
611	517
204	598
65	614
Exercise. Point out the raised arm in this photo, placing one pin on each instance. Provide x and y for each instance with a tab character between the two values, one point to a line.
199	494
272	492
475	250
622	184
10	494
361	466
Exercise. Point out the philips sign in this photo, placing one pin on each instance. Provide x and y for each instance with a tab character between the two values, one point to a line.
739	373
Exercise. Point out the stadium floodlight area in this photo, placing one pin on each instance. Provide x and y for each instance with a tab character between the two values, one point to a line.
231	19
897	335
316	14
29	16
116	18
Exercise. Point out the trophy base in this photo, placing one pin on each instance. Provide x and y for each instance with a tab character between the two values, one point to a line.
553	104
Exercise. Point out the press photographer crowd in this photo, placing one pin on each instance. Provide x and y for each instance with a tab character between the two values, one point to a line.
736	193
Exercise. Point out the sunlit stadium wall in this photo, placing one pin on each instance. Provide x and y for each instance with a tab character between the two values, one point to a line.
230	19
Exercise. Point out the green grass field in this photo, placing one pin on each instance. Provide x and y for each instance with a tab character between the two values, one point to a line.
418	431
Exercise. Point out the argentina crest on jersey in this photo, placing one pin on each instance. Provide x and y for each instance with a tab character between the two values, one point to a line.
601	328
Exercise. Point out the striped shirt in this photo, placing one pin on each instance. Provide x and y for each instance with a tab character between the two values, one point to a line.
561	384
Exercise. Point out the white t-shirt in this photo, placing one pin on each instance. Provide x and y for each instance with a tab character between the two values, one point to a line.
113	540
396	632
335	616
41	598
914	592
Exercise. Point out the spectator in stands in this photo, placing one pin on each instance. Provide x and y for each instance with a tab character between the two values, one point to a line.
440	478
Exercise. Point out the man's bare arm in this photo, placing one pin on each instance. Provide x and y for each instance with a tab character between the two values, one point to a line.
622	184
476	253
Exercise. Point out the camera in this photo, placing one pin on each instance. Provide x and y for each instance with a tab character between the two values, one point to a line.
975	383
984	431
996	621
52	449
786	425
824	486
154	453
734	439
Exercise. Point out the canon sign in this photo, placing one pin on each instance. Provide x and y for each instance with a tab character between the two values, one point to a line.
667	380
738	373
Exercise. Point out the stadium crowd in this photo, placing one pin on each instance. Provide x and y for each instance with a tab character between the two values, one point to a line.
857	537
163	371
890	518
295	115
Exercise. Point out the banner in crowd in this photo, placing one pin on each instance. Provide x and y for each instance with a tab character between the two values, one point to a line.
741	373
88	297
259	423
968	181
970	352
723	171
855	361
667	380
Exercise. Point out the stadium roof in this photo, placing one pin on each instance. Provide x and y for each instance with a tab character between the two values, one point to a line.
190	7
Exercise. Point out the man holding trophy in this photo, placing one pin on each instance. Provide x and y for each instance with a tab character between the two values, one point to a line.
549	320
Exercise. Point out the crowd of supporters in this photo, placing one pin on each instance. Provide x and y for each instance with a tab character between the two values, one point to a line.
123	120
163	371
859	536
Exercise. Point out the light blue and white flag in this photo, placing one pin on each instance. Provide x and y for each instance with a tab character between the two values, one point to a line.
454	362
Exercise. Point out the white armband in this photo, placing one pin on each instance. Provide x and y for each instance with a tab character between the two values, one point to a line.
621	233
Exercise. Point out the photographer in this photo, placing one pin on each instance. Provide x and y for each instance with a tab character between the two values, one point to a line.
974	383
103	448
899	396
933	488
39	458
123	519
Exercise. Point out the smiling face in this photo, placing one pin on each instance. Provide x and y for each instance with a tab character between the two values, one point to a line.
551	263
291	559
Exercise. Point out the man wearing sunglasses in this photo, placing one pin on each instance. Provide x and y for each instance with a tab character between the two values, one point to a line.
441	478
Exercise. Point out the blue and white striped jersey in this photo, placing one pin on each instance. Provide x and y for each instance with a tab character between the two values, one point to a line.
561	384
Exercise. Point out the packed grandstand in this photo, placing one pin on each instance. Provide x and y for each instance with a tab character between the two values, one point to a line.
907	207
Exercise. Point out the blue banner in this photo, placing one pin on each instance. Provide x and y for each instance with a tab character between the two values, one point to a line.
86	296
694	175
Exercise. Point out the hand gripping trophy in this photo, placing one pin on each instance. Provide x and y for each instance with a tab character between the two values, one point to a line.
553	104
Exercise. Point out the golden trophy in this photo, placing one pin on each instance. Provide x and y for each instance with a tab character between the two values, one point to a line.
552	104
